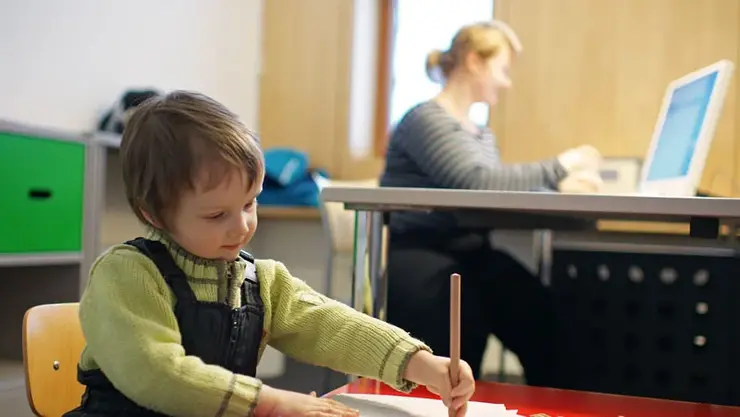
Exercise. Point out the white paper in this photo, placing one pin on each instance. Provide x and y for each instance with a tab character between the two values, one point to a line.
397	406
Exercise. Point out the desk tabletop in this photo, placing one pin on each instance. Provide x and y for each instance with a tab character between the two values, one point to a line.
561	403
593	206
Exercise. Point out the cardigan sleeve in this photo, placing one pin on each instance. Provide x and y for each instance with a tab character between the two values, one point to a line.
315	329
132	335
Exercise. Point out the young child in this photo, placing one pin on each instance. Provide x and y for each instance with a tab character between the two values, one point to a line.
175	323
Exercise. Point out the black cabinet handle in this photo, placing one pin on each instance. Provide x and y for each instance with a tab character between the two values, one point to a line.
39	194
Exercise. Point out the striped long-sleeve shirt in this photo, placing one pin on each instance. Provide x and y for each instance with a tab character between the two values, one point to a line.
430	148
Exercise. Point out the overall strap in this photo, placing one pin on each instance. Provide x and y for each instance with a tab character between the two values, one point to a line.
172	274
251	271
246	256
250	285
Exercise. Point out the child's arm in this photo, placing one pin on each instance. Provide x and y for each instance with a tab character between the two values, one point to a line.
312	328
132	336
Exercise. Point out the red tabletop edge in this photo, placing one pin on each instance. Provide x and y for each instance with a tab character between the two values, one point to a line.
559	403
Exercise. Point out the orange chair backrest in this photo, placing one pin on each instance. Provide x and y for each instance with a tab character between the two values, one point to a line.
52	344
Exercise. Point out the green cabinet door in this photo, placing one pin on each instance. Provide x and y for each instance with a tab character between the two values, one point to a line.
41	194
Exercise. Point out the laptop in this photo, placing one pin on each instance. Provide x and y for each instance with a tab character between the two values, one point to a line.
684	132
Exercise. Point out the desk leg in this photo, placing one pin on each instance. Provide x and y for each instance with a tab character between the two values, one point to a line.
358	259
358	264
368	242
375	241
545	255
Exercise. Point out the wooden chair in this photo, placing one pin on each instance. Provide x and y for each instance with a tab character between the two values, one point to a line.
52	344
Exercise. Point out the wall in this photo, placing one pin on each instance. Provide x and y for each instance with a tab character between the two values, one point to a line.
591	72
318	82
65	62
305	84
596	71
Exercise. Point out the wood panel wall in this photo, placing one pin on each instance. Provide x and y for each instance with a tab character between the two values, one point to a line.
305	78
592	72
596	72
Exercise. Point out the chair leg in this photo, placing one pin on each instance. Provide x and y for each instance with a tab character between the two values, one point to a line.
329	273
502	364
381	297
367	305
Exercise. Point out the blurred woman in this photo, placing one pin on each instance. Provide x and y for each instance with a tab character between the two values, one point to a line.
436	145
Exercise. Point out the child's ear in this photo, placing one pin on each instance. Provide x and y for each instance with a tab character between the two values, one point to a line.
149	218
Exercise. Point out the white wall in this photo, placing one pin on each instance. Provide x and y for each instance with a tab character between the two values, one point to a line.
62	63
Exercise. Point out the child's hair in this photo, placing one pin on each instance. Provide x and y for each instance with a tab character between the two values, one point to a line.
172	139
484	38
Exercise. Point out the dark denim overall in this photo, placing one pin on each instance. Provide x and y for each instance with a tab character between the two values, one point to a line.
213	331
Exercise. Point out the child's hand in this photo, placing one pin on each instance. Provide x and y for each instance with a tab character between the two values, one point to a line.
434	373
280	403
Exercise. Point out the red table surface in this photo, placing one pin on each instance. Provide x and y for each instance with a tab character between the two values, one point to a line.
560	403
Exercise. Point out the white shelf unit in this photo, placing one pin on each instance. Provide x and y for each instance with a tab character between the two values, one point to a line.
29	279
35	259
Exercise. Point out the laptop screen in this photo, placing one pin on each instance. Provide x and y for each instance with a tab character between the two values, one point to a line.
680	131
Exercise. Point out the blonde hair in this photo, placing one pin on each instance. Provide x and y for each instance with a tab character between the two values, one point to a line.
486	39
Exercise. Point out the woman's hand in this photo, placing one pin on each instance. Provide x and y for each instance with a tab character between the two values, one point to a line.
434	373
280	403
581	182
584	157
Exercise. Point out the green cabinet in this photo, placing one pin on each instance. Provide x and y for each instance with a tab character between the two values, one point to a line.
42	185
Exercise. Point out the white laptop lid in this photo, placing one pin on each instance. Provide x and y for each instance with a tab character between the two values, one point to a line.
684	131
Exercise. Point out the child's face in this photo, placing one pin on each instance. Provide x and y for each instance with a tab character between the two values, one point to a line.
216	223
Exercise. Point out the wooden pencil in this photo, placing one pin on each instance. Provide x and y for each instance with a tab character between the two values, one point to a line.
454	332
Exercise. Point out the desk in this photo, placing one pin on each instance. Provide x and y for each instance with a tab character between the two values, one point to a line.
517	210
532	400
